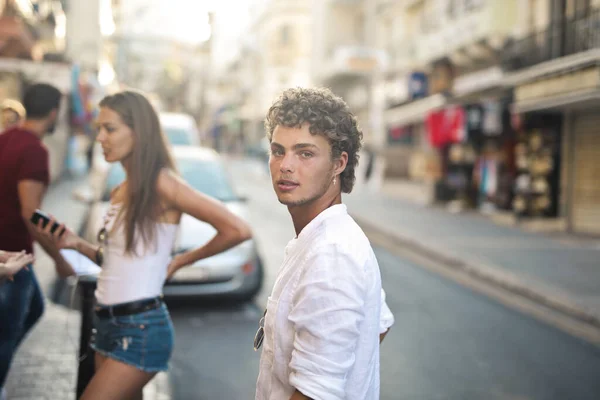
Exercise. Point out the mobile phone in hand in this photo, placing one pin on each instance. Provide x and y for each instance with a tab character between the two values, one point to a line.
40	215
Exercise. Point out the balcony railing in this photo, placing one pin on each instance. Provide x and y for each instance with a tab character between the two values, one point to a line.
562	38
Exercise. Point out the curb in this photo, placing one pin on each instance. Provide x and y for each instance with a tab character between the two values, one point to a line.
487	273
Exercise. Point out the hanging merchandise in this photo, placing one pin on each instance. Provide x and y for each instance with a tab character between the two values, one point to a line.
474	119
401	135
455	122
485	176
434	123
491	179
446	126
492	118
537	161
474	124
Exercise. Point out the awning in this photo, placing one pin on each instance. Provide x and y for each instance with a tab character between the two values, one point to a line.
415	111
553	67
476	82
578	99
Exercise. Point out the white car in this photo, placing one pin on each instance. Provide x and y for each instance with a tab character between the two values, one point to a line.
180	129
236	273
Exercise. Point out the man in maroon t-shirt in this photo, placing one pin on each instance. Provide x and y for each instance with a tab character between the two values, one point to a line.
24	177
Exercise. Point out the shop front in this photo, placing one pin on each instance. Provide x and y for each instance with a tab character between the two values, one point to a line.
584	209
574	97
476	144
408	154
538	165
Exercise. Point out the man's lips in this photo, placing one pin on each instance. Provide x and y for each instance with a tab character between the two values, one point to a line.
285	184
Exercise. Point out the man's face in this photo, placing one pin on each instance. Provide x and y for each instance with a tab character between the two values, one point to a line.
9	118
301	166
51	121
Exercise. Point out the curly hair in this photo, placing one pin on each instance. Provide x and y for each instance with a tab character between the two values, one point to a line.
327	115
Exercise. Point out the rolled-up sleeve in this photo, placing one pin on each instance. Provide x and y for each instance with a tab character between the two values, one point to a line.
327	310
386	319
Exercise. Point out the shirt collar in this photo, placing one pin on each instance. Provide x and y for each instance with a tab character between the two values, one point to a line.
330	212
335	210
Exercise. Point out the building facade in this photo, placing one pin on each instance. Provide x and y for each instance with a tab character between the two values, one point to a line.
273	54
556	79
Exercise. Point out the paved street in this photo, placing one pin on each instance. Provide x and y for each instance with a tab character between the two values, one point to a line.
448	342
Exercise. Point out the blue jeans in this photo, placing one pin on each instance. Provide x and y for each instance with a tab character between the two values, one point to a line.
143	340
21	306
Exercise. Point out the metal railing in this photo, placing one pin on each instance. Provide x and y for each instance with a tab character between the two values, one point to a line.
561	38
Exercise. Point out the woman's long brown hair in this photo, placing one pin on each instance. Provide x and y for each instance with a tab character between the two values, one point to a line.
150	155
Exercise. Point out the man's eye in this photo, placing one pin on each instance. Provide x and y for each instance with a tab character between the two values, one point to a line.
306	154
276	152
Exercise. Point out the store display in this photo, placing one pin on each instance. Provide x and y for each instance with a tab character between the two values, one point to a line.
537	159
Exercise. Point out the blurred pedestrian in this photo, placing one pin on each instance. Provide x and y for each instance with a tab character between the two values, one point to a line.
326	314
24	178
12	114
134	333
12	262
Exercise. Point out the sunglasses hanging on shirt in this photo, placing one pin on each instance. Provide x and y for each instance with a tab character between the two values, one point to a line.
260	333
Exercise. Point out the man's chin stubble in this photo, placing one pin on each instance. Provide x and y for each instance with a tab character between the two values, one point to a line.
292	203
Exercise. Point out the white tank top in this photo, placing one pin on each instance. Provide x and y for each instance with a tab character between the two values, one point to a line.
127	277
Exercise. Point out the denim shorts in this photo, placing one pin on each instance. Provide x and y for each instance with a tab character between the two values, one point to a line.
143	340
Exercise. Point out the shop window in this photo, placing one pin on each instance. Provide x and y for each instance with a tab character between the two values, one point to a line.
537	159
401	136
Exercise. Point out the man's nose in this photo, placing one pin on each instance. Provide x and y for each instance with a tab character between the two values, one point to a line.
287	163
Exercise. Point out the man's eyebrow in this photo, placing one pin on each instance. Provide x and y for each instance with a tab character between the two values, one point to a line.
305	146
297	146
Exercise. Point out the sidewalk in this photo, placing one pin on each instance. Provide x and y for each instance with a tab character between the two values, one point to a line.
562	274
45	366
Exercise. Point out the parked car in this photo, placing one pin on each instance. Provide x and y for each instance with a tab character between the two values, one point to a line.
235	273
180	129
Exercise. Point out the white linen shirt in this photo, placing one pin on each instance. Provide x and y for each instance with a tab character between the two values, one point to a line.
324	315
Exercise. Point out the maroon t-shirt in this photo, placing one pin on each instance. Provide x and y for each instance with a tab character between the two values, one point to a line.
23	156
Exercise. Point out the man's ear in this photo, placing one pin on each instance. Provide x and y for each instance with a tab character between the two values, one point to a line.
52	117
340	163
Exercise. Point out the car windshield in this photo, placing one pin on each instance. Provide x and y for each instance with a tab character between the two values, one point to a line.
207	177
178	136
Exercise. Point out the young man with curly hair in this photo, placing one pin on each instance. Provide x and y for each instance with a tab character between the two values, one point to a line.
326	314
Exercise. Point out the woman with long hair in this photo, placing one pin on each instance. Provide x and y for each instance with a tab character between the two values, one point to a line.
134	333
